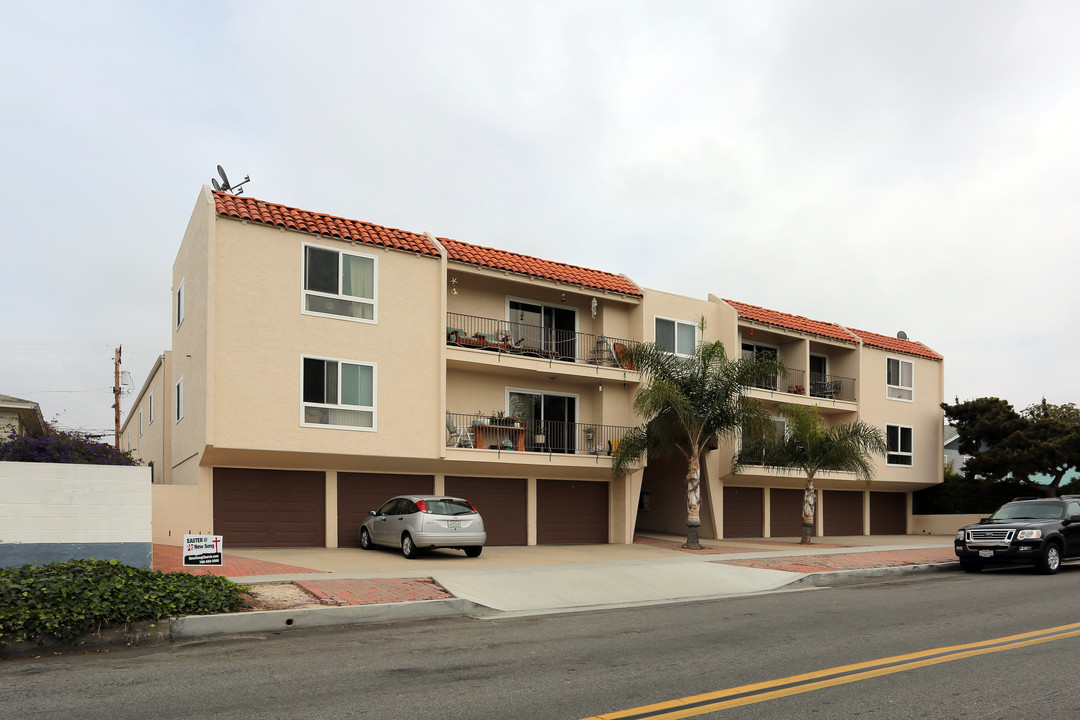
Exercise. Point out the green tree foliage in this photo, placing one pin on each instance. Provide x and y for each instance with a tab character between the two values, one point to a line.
811	447
1005	445
960	494
62	446
689	403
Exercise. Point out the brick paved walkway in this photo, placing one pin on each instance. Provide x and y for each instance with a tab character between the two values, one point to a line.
850	561
169	558
372	592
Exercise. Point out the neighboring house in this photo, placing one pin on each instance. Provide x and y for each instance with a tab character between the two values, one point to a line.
952	449
320	365
146	431
23	415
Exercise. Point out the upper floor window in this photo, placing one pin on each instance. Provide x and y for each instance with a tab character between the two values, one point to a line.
338	393
339	283
675	336
898	438
140	424
180	400
150	407
180	304
900	379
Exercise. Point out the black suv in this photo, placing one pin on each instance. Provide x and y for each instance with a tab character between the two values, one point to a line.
1027	531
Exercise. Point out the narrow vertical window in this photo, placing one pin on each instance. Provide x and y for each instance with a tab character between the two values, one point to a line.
180	400
140	424
180	304
150	407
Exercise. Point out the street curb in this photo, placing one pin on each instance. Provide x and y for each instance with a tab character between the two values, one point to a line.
144	634
196	627
843	577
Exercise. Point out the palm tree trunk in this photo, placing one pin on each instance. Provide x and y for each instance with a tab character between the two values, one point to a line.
693	505
809	509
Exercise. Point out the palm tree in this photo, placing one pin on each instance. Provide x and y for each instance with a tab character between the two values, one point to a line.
808	445
689	402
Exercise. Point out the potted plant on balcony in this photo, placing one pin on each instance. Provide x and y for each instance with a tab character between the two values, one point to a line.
481	419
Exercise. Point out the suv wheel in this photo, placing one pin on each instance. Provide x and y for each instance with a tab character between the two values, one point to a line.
970	566
1050	560
408	547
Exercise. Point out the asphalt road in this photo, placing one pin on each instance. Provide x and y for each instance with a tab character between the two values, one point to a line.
583	664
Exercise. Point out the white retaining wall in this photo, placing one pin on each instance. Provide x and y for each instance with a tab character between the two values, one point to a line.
52	512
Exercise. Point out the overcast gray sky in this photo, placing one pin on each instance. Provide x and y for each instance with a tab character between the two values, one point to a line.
885	165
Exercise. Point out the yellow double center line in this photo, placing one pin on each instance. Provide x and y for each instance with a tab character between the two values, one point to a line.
759	692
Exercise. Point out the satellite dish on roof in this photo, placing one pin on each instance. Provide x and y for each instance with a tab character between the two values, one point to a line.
901	335
224	185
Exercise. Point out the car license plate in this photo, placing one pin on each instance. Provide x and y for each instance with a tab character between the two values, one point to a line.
986	553
453	524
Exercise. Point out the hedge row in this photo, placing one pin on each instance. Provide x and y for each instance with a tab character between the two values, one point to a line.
68	599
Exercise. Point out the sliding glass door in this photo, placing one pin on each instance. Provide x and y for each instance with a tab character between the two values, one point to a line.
550	420
546	329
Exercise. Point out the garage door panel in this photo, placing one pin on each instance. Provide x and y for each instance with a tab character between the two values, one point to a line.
888	513
501	502
571	512
360	493
744	510
843	512
269	508
785	512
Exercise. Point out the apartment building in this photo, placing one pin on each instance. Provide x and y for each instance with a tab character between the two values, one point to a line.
320	365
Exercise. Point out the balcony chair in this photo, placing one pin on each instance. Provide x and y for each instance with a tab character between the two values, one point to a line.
460	436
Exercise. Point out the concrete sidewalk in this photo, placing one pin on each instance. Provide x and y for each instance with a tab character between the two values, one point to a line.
381	585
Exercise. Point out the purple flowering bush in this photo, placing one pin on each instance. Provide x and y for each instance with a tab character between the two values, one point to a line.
62	446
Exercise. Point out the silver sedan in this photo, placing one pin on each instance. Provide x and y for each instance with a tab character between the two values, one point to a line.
416	523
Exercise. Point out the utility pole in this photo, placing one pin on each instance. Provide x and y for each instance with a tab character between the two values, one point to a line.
116	396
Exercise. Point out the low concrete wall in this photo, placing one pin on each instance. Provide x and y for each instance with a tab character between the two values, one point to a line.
52	512
941	524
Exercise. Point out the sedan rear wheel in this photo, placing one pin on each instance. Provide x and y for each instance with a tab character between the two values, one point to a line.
365	539
408	547
1050	560
474	551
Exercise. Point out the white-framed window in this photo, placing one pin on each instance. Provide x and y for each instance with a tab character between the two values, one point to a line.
179	399
337	393
675	336
150	406
180	304
340	283
140	424
898	438
900	379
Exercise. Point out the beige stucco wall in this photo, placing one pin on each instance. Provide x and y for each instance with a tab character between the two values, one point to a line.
941	524
180	510
261	335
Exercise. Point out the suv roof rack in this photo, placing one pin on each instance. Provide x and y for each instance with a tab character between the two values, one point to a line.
1032	497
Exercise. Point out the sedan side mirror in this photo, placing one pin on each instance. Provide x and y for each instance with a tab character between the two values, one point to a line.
373	513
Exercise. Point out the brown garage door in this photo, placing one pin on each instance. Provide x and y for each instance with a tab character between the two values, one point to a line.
359	493
843	512
501	502
571	512
888	513
744	509
270	508
785	513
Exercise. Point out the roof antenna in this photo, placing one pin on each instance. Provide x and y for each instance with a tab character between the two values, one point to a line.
224	185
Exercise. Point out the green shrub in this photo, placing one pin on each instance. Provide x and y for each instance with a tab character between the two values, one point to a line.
65	600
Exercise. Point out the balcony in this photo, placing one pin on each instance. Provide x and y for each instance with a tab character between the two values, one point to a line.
467	430
516	338
830	387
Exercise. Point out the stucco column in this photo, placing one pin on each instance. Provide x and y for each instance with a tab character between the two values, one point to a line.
819	518
866	512
766	511
331	509
530	510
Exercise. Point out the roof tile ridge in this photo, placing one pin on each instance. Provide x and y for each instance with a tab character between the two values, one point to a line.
318	213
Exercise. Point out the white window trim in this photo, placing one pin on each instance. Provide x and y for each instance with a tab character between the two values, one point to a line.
150	406
374	408
697	339
140	424
898	451
180	309
303	291
180	399
889	387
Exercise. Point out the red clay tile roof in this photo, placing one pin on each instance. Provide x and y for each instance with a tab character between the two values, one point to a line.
885	342
245	208
535	267
791	322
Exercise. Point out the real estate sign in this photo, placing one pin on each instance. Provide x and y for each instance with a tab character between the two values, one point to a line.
202	550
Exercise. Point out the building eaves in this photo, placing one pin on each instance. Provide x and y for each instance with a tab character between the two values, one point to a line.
259	211
535	267
786	321
892	344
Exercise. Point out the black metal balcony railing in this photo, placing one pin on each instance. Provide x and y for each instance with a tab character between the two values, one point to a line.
517	338
466	430
791	381
832	387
